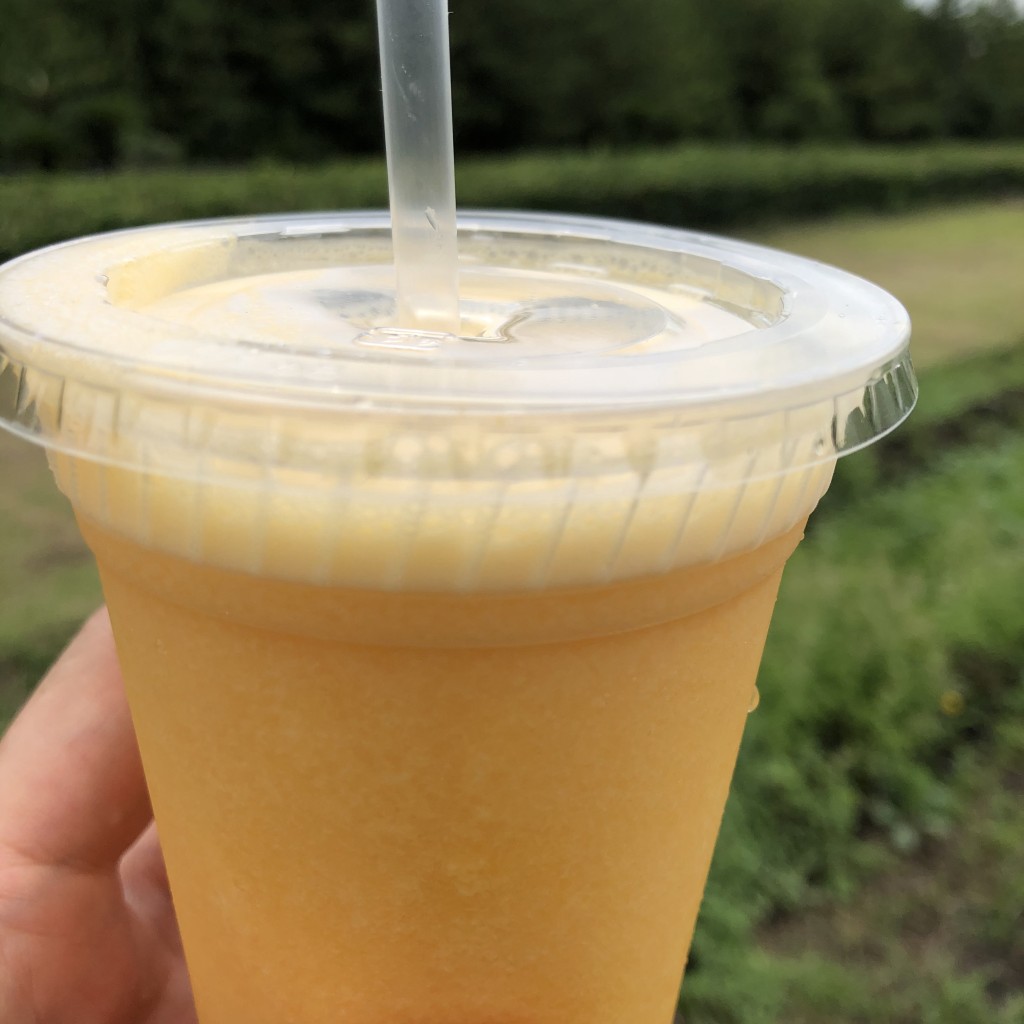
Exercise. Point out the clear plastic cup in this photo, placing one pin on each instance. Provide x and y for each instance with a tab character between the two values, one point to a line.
439	648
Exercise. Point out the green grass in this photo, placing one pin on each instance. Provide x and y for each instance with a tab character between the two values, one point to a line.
958	271
937	936
892	692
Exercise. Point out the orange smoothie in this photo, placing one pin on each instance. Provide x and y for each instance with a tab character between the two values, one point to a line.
356	813
440	647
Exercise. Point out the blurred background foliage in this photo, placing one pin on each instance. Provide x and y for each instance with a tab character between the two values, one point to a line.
86	84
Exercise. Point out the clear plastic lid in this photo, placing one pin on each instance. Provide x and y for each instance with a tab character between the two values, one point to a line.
559	314
600	365
565	316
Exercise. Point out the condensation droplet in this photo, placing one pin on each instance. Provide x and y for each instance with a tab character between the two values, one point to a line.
755	699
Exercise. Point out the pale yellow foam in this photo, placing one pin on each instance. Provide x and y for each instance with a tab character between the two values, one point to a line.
441	535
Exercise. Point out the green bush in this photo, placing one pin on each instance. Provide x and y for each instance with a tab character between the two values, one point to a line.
691	186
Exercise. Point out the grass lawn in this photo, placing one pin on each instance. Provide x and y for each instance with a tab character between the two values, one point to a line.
958	271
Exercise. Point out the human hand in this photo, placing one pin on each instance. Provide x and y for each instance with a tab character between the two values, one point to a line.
87	930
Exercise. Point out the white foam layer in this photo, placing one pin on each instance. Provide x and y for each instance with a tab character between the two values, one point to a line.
429	535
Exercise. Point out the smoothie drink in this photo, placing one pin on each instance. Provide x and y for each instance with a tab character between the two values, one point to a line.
440	649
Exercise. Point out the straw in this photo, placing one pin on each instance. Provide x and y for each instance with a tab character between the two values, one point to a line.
416	77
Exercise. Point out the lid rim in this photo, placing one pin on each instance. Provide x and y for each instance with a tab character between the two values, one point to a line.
836	336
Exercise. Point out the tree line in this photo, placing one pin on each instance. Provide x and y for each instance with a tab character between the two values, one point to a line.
105	83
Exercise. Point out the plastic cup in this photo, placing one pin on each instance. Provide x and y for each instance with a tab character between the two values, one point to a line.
440	649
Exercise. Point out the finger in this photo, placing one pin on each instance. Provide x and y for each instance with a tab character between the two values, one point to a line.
146	888
142	867
72	792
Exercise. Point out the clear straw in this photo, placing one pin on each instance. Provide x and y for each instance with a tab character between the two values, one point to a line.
416	76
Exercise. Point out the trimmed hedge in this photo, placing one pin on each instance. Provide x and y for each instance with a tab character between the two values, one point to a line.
693	186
